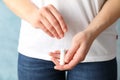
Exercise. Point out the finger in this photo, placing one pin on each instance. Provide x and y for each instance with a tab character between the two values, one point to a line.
67	66
55	61
44	29
49	26
78	57
58	17
70	53
81	52
55	55
55	52
51	18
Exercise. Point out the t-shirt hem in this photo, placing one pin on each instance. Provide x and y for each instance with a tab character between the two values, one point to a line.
87	59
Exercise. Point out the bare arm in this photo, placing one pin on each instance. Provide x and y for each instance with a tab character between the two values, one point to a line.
107	16
22	8
82	41
46	18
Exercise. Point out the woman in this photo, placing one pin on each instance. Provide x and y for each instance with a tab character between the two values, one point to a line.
85	28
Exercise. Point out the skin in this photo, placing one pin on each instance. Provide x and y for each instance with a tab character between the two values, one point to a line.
52	23
46	18
82	41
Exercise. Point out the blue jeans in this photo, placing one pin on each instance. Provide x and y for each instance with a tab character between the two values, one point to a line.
37	69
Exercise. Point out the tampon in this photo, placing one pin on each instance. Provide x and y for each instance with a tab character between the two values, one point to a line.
62	55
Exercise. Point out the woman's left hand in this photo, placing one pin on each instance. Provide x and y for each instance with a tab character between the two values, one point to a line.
80	46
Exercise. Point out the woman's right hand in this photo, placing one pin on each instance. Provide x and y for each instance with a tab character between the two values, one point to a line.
49	20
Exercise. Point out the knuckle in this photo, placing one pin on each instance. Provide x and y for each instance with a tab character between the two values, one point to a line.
50	5
43	9
60	17
35	24
51	28
55	23
82	58
45	30
54	32
75	44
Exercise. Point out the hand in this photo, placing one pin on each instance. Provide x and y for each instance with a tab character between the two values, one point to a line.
50	21
77	53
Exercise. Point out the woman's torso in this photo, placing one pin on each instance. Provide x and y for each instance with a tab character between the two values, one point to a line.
77	15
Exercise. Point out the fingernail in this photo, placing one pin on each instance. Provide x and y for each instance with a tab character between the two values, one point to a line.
52	36
58	37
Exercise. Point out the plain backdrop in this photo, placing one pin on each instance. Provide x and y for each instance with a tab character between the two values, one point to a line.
9	34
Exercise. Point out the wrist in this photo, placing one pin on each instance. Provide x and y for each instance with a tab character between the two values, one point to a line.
31	13
92	33
95	28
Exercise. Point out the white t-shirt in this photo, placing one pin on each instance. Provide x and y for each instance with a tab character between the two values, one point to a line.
77	15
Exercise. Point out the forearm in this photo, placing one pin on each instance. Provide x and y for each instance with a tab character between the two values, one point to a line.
22	8
107	16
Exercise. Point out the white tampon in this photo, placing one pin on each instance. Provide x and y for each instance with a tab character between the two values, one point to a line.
62	55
